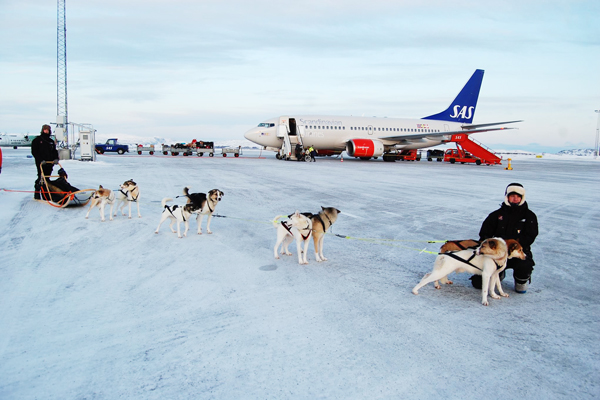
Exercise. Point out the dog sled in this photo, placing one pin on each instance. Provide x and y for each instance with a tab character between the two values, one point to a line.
59	193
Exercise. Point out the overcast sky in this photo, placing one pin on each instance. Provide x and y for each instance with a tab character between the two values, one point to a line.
213	69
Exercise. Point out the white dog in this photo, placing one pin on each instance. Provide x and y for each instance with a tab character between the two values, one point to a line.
101	198
177	214
129	193
488	260
297	227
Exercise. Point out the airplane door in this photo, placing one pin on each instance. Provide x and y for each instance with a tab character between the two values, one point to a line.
292	125
446	128
370	129
283	126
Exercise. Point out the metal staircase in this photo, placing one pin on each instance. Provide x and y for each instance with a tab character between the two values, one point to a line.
477	149
291	135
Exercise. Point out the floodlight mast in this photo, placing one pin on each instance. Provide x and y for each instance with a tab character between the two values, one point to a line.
62	113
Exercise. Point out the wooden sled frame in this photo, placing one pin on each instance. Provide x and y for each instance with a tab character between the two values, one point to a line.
69	198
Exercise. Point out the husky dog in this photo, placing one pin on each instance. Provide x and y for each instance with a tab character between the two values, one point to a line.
129	192
488	260
320	223
101	198
297	227
203	205
177	214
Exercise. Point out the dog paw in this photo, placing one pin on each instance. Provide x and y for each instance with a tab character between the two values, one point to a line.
449	282
209	232
485	303
495	296
415	292
504	295
277	257
437	286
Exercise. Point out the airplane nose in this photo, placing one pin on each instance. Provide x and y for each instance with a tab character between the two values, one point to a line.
253	135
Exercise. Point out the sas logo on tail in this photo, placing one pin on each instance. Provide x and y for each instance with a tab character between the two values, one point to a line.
463	112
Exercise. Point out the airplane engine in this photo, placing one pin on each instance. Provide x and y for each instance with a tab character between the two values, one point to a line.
364	148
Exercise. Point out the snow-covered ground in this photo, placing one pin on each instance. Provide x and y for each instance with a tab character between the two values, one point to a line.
105	310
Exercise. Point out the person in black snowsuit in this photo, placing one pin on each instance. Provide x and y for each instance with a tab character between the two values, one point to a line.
299	152
513	220
43	148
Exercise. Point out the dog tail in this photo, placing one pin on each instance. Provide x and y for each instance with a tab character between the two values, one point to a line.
186	191
165	201
276	220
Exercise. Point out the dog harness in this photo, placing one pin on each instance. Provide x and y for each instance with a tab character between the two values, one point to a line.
318	216
452	255
126	194
171	211
289	229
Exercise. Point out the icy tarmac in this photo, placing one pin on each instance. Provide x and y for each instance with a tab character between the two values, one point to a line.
105	310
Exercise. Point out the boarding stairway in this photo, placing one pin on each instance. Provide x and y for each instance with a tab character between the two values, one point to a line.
291	136
477	149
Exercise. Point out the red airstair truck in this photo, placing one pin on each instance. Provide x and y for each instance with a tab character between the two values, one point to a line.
470	151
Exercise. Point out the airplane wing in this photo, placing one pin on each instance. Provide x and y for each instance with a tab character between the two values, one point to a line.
415	138
472	126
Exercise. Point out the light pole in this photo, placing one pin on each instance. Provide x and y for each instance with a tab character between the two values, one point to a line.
597	135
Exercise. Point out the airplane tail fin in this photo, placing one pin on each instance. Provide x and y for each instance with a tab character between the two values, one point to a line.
462	108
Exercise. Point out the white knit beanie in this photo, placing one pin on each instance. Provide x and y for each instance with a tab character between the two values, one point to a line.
514	188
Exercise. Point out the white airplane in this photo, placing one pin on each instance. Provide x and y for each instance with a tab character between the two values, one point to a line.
367	137
15	140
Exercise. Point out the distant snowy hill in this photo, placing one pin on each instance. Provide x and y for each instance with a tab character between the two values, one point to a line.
576	152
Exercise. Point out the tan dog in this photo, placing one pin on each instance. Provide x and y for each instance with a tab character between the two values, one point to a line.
488	260
129	193
320	223
101	198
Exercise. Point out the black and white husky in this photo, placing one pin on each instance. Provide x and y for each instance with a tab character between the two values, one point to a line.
177	214
203	205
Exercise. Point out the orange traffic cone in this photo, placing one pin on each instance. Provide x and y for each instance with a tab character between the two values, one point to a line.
341	158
